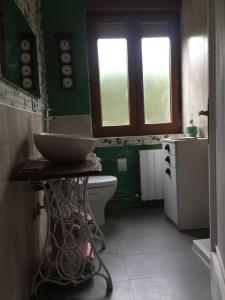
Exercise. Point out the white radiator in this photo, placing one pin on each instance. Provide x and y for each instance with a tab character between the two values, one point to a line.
151	174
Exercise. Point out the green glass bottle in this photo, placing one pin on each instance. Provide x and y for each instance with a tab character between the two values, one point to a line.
191	129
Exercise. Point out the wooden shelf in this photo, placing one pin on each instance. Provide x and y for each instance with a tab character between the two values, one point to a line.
43	169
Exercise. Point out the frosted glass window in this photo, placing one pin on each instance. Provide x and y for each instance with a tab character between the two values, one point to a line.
156	80
113	75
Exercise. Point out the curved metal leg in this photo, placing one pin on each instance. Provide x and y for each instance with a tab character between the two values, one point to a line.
101	263
96	231
69	255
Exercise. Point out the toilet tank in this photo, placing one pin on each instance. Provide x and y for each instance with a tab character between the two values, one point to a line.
101	188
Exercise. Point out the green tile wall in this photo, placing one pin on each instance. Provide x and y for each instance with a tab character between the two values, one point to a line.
61	17
128	182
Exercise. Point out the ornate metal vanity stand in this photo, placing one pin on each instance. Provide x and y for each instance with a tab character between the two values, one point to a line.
70	254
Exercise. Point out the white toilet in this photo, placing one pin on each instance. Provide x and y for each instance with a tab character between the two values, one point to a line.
100	191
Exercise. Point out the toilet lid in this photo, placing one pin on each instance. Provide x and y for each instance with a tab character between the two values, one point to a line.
100	181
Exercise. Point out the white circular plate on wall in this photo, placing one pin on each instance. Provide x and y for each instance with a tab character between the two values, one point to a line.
67	82
25	58
67	70
27	83
25	45
66	57
64	45
26	70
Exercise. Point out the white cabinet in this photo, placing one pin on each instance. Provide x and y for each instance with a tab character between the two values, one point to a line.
185	182
170	193
151	174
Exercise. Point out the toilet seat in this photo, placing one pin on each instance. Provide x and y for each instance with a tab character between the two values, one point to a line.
101	181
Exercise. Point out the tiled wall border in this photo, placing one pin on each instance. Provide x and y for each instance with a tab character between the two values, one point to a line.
11	95
133	140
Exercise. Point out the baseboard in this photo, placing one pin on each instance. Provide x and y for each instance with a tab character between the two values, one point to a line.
217	276
129	202
202	249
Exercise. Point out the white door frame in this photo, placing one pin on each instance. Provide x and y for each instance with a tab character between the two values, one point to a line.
216	12
212	124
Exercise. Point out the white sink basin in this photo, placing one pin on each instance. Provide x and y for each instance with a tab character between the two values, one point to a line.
64	148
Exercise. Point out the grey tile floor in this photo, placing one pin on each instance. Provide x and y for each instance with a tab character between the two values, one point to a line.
148	258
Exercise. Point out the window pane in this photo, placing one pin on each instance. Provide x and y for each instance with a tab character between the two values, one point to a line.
156	80
113	71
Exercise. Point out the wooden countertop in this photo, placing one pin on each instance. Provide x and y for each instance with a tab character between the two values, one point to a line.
43	169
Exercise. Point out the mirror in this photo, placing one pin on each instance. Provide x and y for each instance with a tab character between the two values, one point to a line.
18	54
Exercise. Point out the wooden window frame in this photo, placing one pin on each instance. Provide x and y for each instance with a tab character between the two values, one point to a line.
136	97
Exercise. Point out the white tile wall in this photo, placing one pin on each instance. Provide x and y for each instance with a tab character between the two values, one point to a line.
195	63
79	124
18	230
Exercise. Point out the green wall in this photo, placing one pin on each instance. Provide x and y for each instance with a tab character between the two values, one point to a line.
60	17
129	181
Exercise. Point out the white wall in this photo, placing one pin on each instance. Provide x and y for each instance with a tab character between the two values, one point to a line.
19	232
194	63
217	144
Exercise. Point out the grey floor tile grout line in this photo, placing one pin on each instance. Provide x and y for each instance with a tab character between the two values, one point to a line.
162	276
121	280
157	252
128	279
132	290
